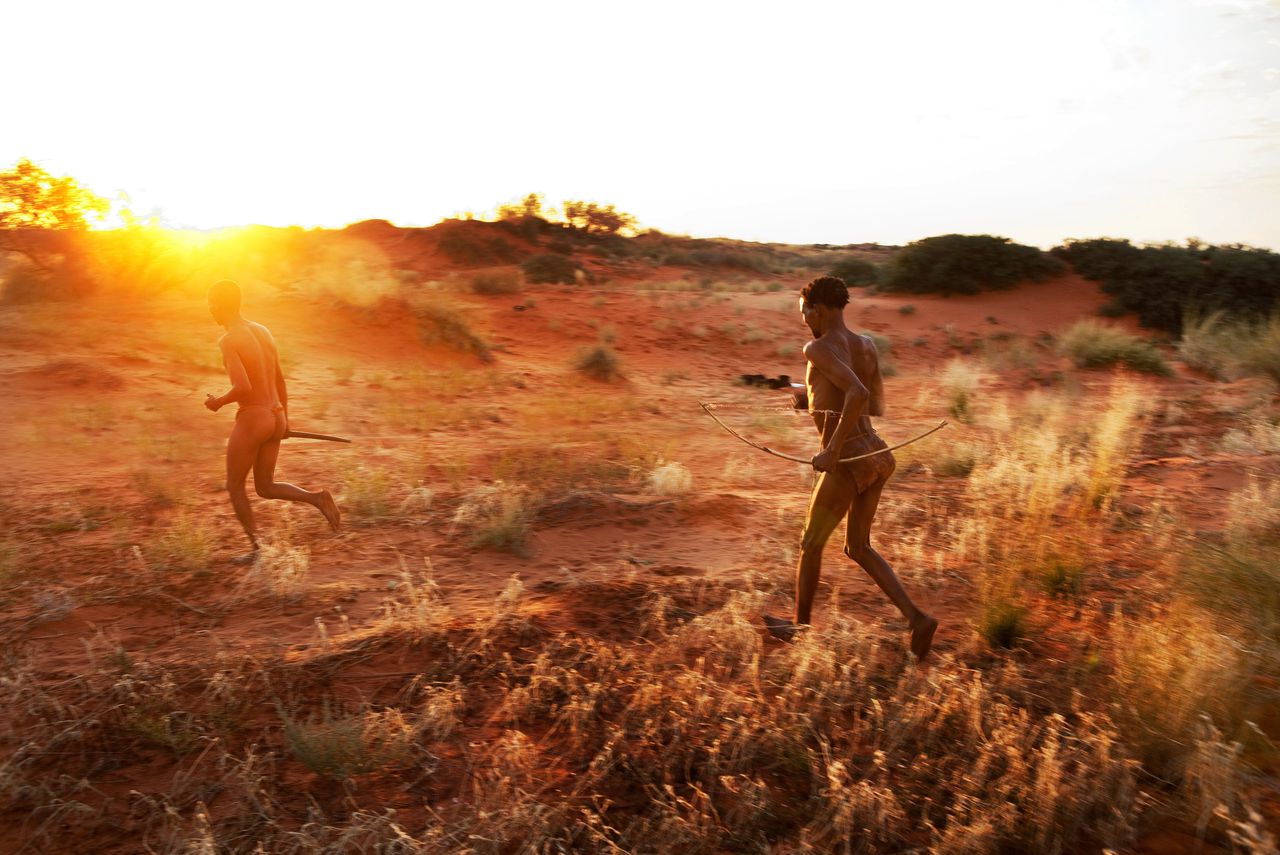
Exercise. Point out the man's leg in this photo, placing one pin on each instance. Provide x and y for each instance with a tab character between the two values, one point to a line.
242	449
827	506
264	473
857	545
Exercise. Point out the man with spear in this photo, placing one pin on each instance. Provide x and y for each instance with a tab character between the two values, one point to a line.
844	389
262	420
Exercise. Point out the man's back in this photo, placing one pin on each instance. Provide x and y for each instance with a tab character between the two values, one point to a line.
255	347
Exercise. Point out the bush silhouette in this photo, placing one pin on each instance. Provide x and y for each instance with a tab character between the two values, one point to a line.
965	264
551	267
854	271
1163	284
466	243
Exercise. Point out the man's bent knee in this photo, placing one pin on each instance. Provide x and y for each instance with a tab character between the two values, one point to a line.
857	551
813	542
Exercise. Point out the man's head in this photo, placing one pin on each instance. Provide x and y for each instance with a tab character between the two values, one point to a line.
822	298
224	301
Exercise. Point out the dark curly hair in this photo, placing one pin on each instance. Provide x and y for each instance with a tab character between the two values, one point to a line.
826	291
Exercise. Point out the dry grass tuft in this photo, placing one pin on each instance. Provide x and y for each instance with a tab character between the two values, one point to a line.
600	363
340	745
496	282
186	543
442	324
1171	669
1094	345
498	515
279	570
1256	436
960	381
669	479
958	459
1229	349
416	606
367	493
1037	500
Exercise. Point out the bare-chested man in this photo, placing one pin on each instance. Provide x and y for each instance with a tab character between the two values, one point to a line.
257	385
844	390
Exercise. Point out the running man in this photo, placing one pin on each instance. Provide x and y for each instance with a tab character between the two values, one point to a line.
257	385
844	390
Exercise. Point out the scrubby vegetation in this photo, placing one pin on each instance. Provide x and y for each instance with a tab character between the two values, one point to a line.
600	363
439	323
965	264
1229	349
472	243
855	271
551	268
1162	284
1091	344
552	643
495	282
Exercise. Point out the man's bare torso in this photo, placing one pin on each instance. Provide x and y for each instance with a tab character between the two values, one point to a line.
257	351
826	399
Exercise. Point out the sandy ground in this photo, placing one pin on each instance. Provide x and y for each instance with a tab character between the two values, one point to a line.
108	447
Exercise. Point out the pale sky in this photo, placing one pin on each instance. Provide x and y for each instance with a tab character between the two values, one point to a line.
799	122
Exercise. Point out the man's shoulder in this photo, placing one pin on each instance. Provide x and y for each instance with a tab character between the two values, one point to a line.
261	331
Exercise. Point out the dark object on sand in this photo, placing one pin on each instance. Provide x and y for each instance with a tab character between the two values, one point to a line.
782	381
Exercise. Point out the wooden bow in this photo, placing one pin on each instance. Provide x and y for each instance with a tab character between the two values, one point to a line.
706	408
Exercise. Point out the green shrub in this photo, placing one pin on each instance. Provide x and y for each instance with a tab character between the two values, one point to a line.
965	264
1163	284
551	267
1003	623
1093	345
599	362
854	271
465	242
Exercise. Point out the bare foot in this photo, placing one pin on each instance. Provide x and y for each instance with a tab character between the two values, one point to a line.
922	636
247	558
329	508
783	629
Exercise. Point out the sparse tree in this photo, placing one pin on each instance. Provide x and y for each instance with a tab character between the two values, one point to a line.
529	206
37	211
594	218
33	200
